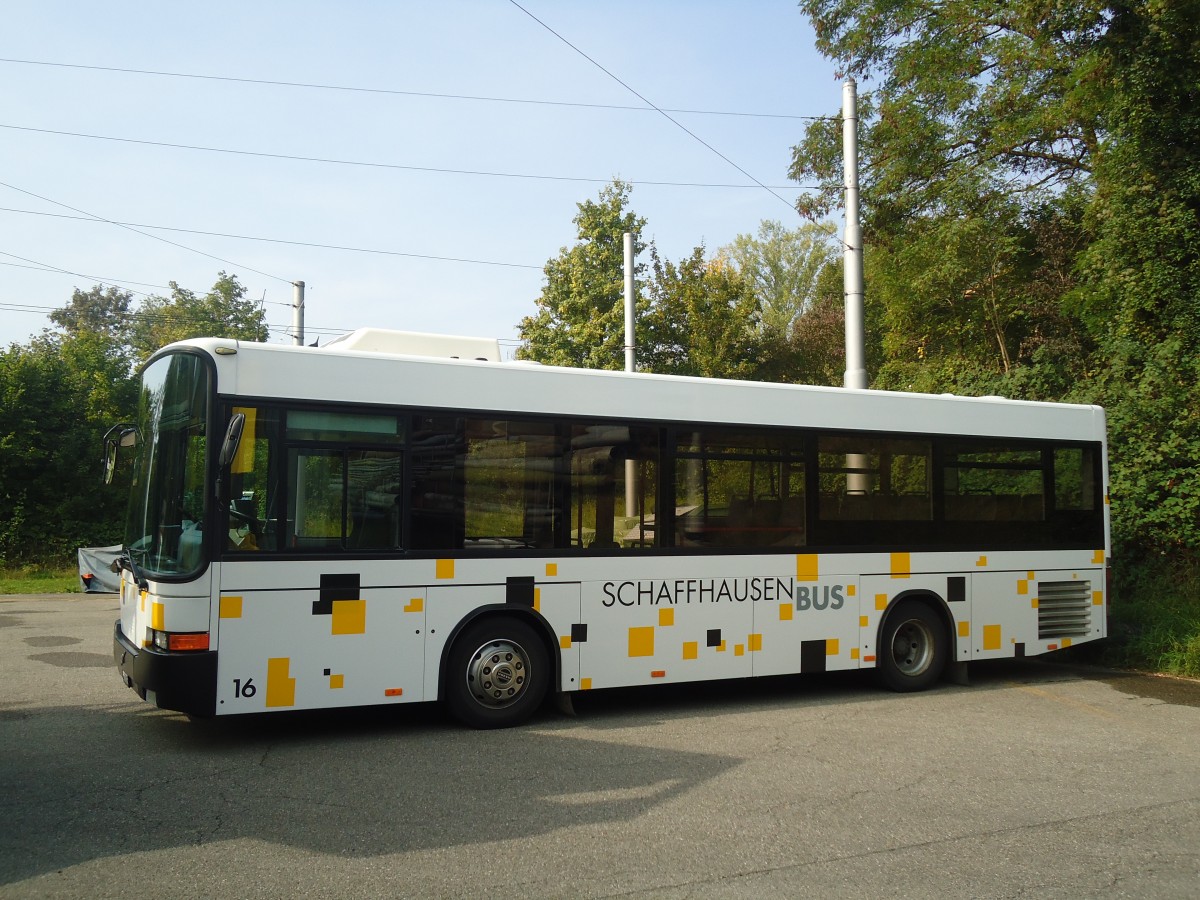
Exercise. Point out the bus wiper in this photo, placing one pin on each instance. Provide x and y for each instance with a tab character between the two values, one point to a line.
125	561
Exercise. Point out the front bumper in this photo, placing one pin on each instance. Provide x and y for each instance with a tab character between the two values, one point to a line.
186	682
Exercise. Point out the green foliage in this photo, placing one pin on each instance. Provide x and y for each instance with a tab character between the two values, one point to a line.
782	267
224	311
700	320
1032	218
580	318
62	391
1154	620
975	100
57	397
52	579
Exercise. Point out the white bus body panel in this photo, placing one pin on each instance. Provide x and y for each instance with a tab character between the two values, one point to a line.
307	634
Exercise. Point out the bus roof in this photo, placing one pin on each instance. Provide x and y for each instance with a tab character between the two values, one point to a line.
338	375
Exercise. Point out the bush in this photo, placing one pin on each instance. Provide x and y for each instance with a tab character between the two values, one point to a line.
1154	617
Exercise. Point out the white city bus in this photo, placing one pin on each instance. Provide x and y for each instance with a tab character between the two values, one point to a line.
397	518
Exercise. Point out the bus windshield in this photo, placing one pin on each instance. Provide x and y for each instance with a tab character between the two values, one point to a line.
168	502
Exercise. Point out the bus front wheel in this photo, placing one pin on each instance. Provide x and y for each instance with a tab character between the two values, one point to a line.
497	674
912	647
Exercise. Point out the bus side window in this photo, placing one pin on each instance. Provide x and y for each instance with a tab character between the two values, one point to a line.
614	482
251	517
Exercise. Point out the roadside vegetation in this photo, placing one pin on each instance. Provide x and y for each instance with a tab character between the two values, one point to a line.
1154	620
39	580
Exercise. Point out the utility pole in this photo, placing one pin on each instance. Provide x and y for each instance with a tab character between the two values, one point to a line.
631	505
858	479
856	366
298	313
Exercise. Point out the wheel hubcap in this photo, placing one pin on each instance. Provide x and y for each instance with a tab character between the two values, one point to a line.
912	647
498	673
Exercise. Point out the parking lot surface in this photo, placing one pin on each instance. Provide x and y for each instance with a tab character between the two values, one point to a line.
1038	780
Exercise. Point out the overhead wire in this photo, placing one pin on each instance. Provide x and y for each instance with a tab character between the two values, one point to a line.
375	90
246	237
134	227
383	165
127	227
47	267
653	106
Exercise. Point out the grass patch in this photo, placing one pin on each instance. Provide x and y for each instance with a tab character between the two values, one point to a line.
39	580
1154	619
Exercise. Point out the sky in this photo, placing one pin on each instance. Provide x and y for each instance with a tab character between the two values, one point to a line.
524	120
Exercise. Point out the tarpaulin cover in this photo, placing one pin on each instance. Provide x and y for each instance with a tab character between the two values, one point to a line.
95	569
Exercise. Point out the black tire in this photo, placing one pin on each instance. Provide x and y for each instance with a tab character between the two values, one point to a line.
912	647
497	673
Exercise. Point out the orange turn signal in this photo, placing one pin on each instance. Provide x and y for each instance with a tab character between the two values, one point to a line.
196	641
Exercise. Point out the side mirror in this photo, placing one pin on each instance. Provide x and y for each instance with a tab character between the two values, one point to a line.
121	435
233	436
110	460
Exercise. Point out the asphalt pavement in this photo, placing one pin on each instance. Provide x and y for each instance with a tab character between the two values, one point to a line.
1038	780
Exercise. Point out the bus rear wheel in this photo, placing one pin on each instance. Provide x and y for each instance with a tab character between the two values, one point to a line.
912	647
497	673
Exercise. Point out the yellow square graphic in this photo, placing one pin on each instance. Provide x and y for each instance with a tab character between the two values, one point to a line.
337	682
901	565
785	612
564	642
551	570
691	650
1022	587
1066	642
585	684
281	687
754	643
416	604
964	629
349	617
852	590
157	616
444	568
991	637
854	653
881	601
864	621
981	562
641	641
231	607
1097	598
721	647
807	567
1034	603
666	616
1098	558
537	599
831	646
739	650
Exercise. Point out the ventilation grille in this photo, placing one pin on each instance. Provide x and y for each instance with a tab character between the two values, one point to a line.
1064	609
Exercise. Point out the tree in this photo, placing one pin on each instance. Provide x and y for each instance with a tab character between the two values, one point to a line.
57	396
974	100
224	311
1033	177
701	320
99	310
1141	292
782	267
580	318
